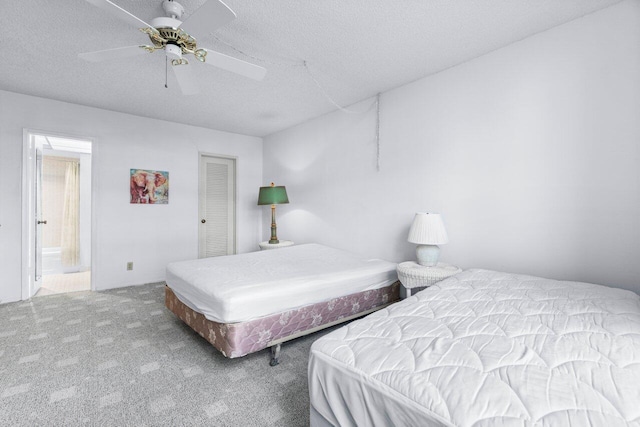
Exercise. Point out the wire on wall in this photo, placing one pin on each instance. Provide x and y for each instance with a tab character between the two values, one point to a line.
329	98
305	64
300	63
291	63
378	132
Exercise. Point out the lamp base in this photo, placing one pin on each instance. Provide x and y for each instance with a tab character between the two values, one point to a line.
274	228
427	255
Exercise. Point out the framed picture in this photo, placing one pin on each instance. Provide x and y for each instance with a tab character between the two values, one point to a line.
149	187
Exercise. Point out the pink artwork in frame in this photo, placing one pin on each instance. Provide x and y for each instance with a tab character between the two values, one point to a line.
149	187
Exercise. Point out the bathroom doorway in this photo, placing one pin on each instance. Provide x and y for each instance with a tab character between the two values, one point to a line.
61	211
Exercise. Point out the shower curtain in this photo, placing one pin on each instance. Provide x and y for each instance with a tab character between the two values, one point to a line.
70	247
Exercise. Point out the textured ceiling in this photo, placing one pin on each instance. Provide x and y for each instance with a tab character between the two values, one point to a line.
354	48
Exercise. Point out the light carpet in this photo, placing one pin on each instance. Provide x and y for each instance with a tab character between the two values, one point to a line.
120	358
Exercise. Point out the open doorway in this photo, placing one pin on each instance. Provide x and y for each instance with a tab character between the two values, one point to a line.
59	228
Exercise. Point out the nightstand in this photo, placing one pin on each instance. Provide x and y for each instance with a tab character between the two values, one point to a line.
282	244
415	277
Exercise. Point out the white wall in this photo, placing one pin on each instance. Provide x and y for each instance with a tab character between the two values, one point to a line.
149	235
531	153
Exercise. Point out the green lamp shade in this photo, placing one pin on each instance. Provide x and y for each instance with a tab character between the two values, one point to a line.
272	196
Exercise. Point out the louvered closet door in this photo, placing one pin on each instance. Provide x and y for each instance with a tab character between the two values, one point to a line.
217	206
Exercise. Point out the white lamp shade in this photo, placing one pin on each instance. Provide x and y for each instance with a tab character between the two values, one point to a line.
428	229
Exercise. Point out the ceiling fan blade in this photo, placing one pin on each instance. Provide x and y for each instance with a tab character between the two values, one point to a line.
186	80
235	65
212	15
109	54
119	12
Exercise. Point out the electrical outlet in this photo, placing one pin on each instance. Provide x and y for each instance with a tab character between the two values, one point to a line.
130	265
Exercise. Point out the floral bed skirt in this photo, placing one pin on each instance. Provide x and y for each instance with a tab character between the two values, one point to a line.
239	339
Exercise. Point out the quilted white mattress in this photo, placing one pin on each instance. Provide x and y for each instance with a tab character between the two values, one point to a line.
484	348
238	288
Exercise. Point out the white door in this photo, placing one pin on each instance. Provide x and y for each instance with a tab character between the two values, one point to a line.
217	222
40	222
32	221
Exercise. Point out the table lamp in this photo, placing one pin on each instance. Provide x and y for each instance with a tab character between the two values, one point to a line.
427	230
273	196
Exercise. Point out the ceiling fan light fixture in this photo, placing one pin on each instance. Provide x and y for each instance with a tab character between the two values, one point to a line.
148	48
173	52
167	33
200	55
155	37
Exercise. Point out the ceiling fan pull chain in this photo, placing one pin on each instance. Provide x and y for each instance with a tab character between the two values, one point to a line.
166	71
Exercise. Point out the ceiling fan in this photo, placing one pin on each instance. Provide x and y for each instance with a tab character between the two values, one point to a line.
166	34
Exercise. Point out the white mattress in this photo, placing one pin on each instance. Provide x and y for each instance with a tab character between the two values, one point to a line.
238	288
483	349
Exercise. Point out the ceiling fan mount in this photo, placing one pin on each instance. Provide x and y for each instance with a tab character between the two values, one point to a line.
166	33
173	8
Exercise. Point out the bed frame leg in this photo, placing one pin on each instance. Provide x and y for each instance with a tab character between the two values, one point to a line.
275	354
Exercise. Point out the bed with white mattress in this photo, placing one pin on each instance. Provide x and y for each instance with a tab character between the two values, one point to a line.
245	303
484	348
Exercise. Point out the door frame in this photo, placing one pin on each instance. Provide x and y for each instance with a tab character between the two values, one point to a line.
28	204
202	154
